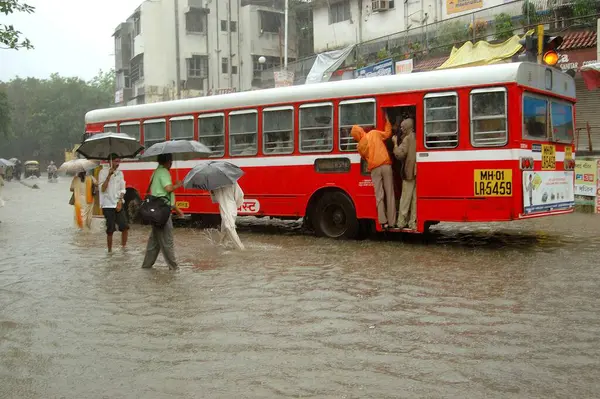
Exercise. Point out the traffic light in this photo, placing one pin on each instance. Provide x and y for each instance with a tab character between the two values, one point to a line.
549	49
530	43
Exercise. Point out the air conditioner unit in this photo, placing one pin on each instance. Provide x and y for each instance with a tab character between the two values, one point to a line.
380	5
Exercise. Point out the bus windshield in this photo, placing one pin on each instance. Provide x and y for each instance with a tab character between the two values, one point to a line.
562	121
547	119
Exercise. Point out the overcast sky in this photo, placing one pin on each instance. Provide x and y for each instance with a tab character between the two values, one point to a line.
71	37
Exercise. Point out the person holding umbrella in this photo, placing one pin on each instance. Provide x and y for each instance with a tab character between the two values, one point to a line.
161	185
112	147
220	178
112	191
82	187
161	238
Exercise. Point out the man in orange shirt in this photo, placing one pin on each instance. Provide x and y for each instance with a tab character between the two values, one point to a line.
372	148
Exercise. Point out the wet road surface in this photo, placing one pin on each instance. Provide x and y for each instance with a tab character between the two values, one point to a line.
495	311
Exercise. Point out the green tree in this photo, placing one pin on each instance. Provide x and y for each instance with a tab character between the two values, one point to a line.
503	26
48	115
4	113
10	38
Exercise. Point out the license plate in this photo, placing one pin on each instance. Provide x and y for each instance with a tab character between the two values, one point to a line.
182	204
493	182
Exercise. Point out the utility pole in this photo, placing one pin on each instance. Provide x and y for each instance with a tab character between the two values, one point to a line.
177	52
285	36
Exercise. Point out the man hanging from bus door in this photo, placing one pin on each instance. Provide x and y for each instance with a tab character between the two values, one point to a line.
372	148
407	153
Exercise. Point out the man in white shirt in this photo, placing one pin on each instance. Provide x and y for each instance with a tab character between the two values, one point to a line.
112	190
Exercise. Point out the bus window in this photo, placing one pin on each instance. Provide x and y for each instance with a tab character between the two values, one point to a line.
354	112
535	118
316	127
211	133
154	132
441	120
562	121
278	130
243	133
110	127
182	128
130	128
488	118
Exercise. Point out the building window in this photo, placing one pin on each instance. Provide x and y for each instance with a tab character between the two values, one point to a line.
118	40
233	26
234	69
223	25
316	128
137	69
224	65
154	132
182	128
355	112
278	130
488	118
270	21
137	25
130	128
377	5
211	133
195	21
198	67
243	133
339	12
441	120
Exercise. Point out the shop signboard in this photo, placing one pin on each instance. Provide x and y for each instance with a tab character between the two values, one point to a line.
383	68
585	177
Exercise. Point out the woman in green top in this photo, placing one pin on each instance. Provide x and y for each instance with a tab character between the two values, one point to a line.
161	239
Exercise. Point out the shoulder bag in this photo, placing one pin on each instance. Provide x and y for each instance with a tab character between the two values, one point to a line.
155	210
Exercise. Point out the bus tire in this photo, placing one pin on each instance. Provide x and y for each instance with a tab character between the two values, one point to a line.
335	216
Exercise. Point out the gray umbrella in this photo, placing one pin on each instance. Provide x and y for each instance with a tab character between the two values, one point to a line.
182	150
212	175
102	145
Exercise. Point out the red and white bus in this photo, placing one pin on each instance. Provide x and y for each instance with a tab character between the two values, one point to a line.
494	143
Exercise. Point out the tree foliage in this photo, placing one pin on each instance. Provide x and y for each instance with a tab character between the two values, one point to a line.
10	38
47	116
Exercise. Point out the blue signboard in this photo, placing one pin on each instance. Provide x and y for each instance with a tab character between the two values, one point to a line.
382	68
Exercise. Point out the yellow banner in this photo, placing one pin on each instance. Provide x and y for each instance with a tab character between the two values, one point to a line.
483	53
455	6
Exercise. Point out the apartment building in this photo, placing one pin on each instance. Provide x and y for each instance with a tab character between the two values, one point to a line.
171	49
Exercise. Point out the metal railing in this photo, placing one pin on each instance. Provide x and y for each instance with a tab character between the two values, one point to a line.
587	139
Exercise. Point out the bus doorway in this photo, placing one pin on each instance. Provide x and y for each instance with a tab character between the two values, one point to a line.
396	115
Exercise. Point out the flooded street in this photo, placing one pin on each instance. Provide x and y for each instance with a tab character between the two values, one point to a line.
498	311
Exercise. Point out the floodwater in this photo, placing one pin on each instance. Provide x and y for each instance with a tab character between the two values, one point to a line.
494	311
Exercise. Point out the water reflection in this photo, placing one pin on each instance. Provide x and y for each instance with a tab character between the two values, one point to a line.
498	310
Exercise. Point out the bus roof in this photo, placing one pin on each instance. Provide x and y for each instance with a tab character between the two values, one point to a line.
526	74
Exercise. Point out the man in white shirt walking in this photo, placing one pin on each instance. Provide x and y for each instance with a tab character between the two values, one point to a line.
112	191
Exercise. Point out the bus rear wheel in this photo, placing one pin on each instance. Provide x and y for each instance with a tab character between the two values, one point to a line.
335	216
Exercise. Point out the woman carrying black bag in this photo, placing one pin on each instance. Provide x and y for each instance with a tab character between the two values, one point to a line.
161	238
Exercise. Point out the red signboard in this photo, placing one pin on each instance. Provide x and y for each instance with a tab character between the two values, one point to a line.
576	59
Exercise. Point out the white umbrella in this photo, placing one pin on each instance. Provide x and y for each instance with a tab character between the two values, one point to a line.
76	166
6	162
102	145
